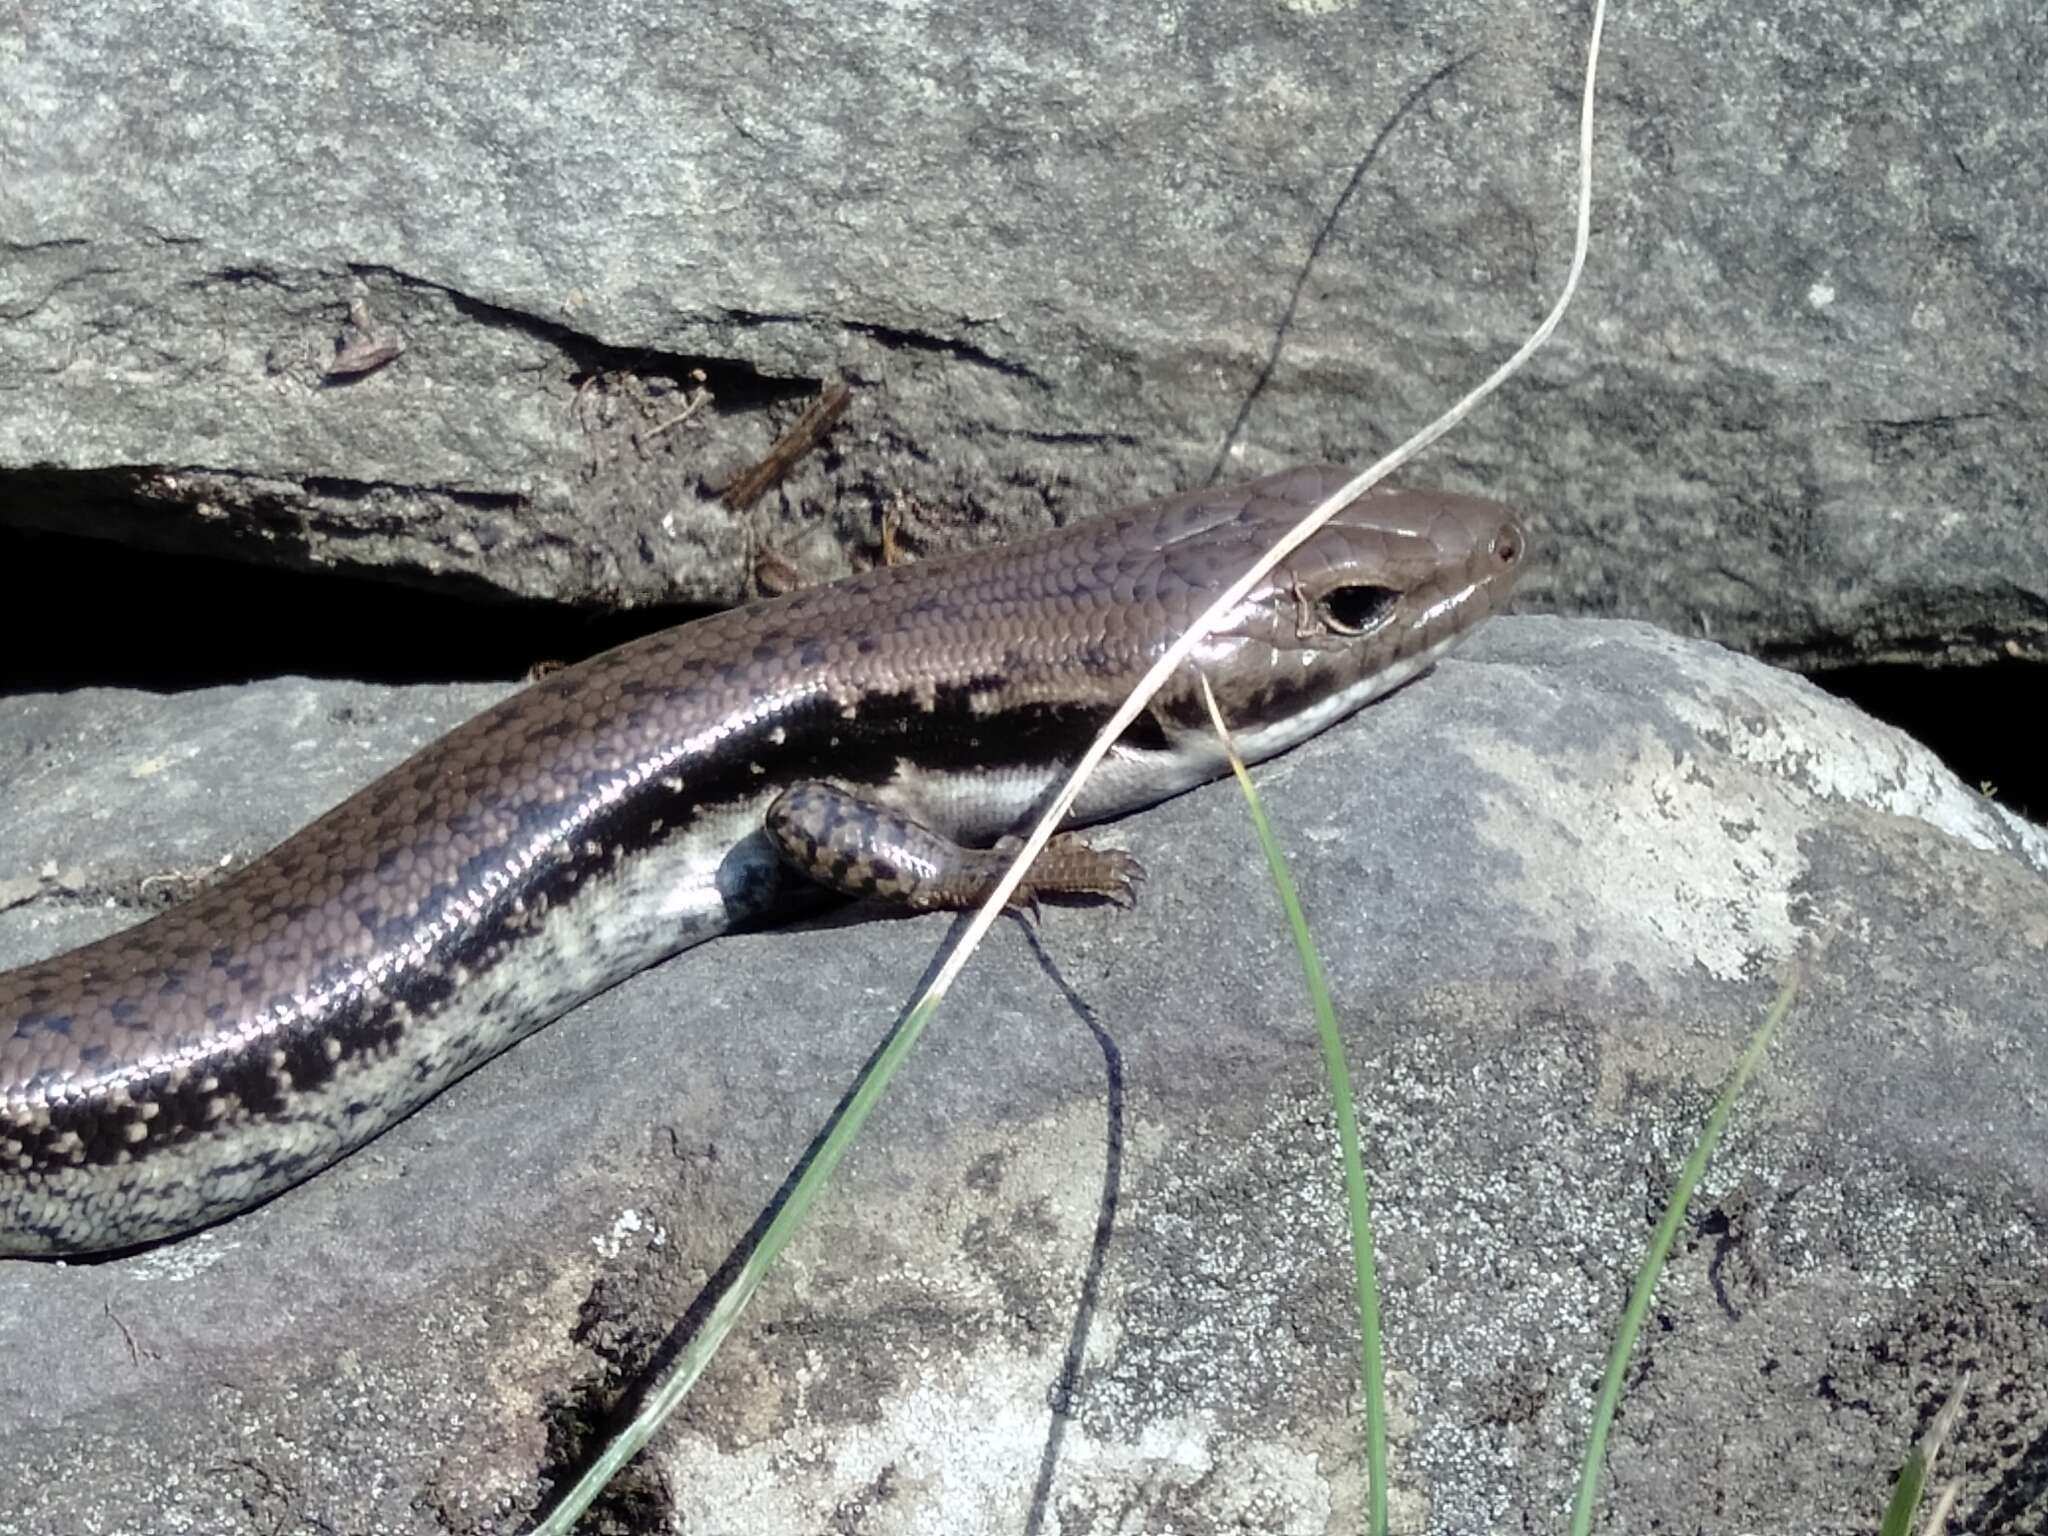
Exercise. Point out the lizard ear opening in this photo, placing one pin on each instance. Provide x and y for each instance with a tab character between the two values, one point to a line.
1357	610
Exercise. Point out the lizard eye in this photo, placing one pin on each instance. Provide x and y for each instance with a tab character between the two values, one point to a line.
1357	610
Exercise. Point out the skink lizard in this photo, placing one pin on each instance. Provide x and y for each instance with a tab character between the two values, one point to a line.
864	734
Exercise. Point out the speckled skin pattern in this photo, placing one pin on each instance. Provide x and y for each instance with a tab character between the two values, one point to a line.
611	814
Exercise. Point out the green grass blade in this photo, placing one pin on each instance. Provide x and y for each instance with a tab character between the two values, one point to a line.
1660	1248
1905	1502
1358	1198
668	1392
1911	1486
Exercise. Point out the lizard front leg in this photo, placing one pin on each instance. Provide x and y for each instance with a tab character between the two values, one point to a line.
861	848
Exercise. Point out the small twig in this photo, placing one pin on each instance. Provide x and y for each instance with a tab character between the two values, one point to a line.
893	552
134	1350
366	351
591	382
774	575
696	401
746	488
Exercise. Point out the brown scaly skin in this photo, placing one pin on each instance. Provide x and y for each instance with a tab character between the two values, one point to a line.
611	814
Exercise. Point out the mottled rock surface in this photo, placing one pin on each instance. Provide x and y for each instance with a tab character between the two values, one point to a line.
1067	255
1554	884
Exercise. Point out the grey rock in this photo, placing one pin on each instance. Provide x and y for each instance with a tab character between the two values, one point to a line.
1068	256
1554	884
